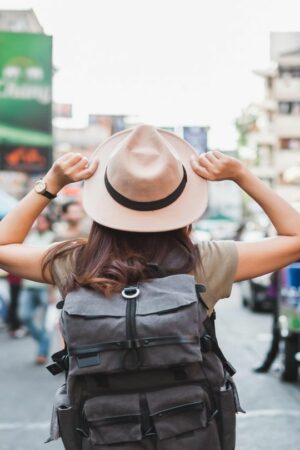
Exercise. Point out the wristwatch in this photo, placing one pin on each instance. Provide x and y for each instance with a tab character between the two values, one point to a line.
40	187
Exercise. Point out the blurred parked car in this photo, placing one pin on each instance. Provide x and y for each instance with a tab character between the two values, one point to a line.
256	293
217	227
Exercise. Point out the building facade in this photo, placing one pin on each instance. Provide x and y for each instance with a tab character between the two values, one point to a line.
276	136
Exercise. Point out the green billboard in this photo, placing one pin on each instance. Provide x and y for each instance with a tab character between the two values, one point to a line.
25	102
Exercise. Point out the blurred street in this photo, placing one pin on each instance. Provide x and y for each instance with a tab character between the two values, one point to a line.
272	419
72	76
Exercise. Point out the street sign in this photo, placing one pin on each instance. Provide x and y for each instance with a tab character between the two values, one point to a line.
30	159
25	101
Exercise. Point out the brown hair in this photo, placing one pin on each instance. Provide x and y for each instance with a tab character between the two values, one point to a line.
111	259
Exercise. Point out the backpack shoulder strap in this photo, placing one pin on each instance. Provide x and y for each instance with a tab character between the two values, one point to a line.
61	358
156	271
209	343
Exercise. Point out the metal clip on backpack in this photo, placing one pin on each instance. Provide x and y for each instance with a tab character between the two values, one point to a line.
143	371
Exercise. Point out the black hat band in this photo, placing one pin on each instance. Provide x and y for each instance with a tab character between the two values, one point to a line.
146	206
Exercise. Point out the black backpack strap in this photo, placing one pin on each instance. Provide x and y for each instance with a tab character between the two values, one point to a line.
61	358
209	324
156	271
209	343
200	288
60	362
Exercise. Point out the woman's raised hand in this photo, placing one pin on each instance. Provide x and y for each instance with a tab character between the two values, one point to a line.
215	166
69	168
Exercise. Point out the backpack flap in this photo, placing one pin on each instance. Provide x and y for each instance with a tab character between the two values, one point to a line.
153	325
178	410
112	419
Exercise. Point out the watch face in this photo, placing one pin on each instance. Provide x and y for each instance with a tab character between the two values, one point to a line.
40	186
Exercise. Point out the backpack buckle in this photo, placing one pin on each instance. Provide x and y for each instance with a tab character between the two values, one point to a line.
207	344
130	292
54	368
137	343
133	344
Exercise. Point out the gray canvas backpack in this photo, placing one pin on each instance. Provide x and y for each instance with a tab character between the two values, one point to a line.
143	371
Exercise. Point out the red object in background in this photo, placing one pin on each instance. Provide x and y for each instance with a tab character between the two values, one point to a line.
25	155
72	190
13	279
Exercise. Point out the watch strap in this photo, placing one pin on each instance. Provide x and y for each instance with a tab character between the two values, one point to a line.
49	195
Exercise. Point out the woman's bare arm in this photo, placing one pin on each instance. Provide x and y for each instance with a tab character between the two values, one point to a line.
270	254
25	261
20	258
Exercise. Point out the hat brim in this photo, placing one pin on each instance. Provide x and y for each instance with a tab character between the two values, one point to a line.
102	208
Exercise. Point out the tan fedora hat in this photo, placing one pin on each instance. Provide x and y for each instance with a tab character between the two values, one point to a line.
144	182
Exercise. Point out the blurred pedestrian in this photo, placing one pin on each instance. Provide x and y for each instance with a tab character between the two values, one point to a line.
13	322
240	230
73	224
34	297
144	189
271	355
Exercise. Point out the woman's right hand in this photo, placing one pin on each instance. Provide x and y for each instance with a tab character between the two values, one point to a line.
216	166
24	260
69	168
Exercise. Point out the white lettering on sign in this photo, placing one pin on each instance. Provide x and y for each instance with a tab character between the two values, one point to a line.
40	93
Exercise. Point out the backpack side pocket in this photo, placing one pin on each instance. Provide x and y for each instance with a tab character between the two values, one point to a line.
67	426
64	421
226	418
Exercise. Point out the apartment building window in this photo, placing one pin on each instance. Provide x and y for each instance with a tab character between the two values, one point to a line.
292	108
293	72
290	144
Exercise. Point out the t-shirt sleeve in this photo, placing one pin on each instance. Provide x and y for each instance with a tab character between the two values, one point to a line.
217	268
61	267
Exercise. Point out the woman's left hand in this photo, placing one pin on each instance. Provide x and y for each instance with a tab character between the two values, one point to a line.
215	166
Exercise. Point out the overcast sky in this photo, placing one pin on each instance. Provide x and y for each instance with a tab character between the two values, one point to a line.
168	61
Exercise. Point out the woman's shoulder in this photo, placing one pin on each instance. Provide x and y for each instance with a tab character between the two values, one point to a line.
217	249
216	268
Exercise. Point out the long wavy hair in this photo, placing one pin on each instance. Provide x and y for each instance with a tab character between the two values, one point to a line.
108	260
